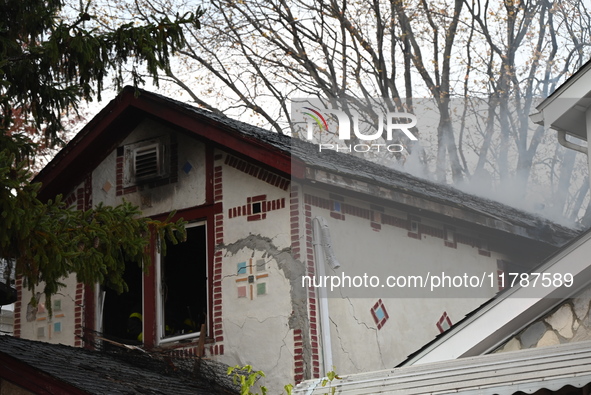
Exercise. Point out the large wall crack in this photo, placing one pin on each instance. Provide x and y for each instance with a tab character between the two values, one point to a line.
293	270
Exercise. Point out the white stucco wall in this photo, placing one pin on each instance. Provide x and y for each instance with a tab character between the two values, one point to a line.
61	326
256	327
189	191
357	343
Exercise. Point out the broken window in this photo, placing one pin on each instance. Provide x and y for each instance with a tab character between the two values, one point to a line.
119	310
183	286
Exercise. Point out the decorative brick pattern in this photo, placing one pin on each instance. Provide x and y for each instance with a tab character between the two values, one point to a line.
217	330
377	218
444	323
483	249
256	208
70	200
217	349
217	184
298	356
312	298
257	172
83	202
294	202
79	315
298	341
449	236
395	221
18	308
379	314
181	351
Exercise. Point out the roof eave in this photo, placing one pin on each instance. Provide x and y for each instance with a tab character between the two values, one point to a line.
104	132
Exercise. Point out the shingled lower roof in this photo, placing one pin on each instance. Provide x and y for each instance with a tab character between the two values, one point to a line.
94	372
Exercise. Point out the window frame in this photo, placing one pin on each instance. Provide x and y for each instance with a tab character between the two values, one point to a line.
160	313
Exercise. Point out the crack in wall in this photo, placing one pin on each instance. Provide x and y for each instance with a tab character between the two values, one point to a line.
293	270
362	323
341	345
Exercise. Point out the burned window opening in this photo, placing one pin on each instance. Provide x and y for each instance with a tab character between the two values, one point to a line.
120	311
184	284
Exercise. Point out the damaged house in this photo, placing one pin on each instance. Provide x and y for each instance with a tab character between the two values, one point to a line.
269	217
531	338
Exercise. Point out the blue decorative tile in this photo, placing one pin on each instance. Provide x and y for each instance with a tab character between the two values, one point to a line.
187	167
241	268
380	313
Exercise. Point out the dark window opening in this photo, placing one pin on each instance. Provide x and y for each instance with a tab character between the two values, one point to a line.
184	284
256	208
122	312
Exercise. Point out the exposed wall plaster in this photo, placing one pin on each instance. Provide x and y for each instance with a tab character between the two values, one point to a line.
293	270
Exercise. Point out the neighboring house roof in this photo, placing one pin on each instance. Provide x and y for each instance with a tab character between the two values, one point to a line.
291	157
45	368
565	109
496	321
508	373
572	80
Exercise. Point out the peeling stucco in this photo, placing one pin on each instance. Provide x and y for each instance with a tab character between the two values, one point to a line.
293	270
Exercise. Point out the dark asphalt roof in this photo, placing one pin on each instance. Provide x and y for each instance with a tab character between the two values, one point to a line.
375	174
102	373
348	166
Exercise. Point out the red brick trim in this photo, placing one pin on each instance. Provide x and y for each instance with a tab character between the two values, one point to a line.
395	221
298	352
298	356
294	219
443	322
257	172
217	184
216	295
70	200
449	236
79	315
256	208
312	298
217	349
18	308
376	217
